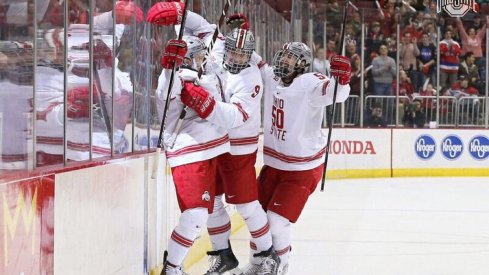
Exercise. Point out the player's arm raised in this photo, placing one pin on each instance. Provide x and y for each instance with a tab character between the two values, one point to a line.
323	92
175	51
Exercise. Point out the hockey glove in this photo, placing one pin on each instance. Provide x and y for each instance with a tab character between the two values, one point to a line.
166	13
340	67
126	12
198	99
174	53
102	54
238	20
79	102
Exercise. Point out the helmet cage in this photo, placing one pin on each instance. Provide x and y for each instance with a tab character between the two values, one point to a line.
195	47
302	54
239	47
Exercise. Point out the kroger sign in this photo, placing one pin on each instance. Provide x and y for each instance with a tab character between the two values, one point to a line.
425	147
479	147
452	147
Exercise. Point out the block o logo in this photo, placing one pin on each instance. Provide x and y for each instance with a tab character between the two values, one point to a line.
456	8
479	147
452	147
425	147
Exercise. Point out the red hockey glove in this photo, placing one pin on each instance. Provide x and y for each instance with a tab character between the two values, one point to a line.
166	13
198	99
79	102
238	20
174	53
340	67
102	54
126	12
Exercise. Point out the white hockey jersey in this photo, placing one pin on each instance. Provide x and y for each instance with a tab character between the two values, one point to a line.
242	117
293	139
198	138
50	112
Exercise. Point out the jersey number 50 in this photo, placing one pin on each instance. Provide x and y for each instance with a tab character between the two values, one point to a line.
277	117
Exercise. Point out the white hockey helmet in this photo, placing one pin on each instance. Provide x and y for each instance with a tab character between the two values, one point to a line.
283	66
239	47
195	48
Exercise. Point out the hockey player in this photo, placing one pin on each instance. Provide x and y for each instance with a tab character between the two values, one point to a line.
193	156
240	113
294	145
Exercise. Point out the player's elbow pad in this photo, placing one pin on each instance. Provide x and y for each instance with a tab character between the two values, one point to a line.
225	116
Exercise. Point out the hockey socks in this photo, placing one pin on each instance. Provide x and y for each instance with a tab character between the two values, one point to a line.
183	236
257	222
219	225
281	235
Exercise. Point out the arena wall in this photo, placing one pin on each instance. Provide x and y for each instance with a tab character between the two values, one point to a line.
110	217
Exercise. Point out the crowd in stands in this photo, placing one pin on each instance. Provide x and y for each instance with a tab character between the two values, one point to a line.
461	48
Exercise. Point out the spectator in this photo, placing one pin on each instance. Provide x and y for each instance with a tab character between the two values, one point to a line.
355	74
471	41
414	116
468	68
375	38
384	71
428	103
392	45
331	48
449	61
461	89
427	59
406	88
375	118
320	63
413	27
430	29
477	24
409	51
351	49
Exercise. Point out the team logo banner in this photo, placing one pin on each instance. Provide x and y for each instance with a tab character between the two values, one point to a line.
456	8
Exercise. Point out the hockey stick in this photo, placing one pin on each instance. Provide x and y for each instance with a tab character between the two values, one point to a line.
178	127
331	114
159	145
103	109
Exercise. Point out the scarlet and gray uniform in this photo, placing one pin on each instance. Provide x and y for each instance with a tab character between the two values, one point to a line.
293	140
239	113
243	118
198	142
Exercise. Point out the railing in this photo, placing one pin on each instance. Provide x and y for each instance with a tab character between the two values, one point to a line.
471	112
447	106
452	112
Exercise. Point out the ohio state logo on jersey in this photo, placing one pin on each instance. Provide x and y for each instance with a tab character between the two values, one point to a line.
206	196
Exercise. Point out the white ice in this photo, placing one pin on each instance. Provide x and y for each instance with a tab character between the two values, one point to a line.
388	226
